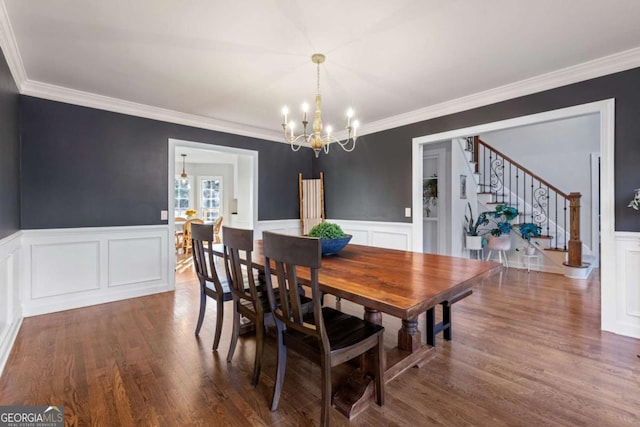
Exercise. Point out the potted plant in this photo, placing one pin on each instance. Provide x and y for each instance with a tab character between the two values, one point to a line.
332	237
528	230
473	238
499	235
429	193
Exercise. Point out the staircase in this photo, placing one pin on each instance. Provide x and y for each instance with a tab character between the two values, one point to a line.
502	180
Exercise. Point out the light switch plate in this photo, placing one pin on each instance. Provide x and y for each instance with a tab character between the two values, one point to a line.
407	212
164	215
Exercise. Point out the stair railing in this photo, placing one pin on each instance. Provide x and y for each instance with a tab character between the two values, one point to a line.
542	203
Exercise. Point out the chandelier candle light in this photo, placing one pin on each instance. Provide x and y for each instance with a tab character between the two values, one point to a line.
316	140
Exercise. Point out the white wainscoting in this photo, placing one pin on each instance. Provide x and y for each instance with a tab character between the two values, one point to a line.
70	268
627	286
10	309
393	235
284	226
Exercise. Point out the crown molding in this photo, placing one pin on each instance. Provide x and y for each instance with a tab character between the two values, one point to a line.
10	48
588	70
86	99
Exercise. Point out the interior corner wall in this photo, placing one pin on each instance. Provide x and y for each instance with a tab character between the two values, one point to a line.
9	152
374	181
84	167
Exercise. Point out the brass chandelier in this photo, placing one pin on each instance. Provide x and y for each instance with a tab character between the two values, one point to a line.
316	140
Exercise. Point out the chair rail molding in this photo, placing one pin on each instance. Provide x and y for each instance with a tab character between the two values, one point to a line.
61	269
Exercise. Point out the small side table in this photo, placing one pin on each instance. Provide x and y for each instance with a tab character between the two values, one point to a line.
529	259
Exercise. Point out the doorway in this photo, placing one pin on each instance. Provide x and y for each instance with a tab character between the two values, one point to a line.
606	111
223	182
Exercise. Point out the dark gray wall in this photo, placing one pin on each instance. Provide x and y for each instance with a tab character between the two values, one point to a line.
374	182
83	167
9	152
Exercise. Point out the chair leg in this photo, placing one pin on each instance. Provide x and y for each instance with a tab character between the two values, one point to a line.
379	364
235	331
325	368
203	307
220	308
259	345
282	363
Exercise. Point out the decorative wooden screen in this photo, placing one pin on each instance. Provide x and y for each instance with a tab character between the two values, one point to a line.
311	202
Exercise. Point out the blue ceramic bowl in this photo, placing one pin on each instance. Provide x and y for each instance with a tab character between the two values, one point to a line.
333	246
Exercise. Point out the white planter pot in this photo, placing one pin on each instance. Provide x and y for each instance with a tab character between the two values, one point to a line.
473	242
530	250
500	243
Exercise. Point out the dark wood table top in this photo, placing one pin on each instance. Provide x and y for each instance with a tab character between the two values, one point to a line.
400	283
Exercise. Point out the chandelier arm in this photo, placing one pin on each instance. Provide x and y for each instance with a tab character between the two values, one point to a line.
344	145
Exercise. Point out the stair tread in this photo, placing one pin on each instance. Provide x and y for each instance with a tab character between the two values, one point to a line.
556	250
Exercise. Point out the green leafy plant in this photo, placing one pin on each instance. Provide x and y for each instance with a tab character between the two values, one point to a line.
327	230
502	217
471	226
528	230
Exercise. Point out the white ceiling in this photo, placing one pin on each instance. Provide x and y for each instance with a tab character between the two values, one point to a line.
240	62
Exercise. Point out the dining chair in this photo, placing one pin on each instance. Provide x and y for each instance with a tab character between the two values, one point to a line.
179	234
249	300
211	286
216	230
186	230
327	337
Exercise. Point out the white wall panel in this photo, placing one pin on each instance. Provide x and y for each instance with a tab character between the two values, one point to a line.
10	310
71	268
627	286
134	261
64	268
392	235
369	233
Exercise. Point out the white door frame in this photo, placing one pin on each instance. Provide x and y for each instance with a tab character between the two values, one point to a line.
595	215
606	111
253	199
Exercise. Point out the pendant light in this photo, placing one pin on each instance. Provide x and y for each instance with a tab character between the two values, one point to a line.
183	175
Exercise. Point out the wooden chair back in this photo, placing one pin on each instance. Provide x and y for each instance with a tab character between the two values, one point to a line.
238	244
203	259
283	255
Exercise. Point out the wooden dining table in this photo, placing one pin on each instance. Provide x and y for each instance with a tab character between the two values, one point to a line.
399	283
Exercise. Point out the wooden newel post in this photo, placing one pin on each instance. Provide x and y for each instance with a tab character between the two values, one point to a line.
575	244
476	150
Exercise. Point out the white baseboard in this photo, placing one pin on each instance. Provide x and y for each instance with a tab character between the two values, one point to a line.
7	338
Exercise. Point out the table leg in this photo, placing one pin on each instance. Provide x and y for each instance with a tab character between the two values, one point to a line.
409	335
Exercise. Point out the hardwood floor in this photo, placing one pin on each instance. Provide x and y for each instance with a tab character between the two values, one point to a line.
526	351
